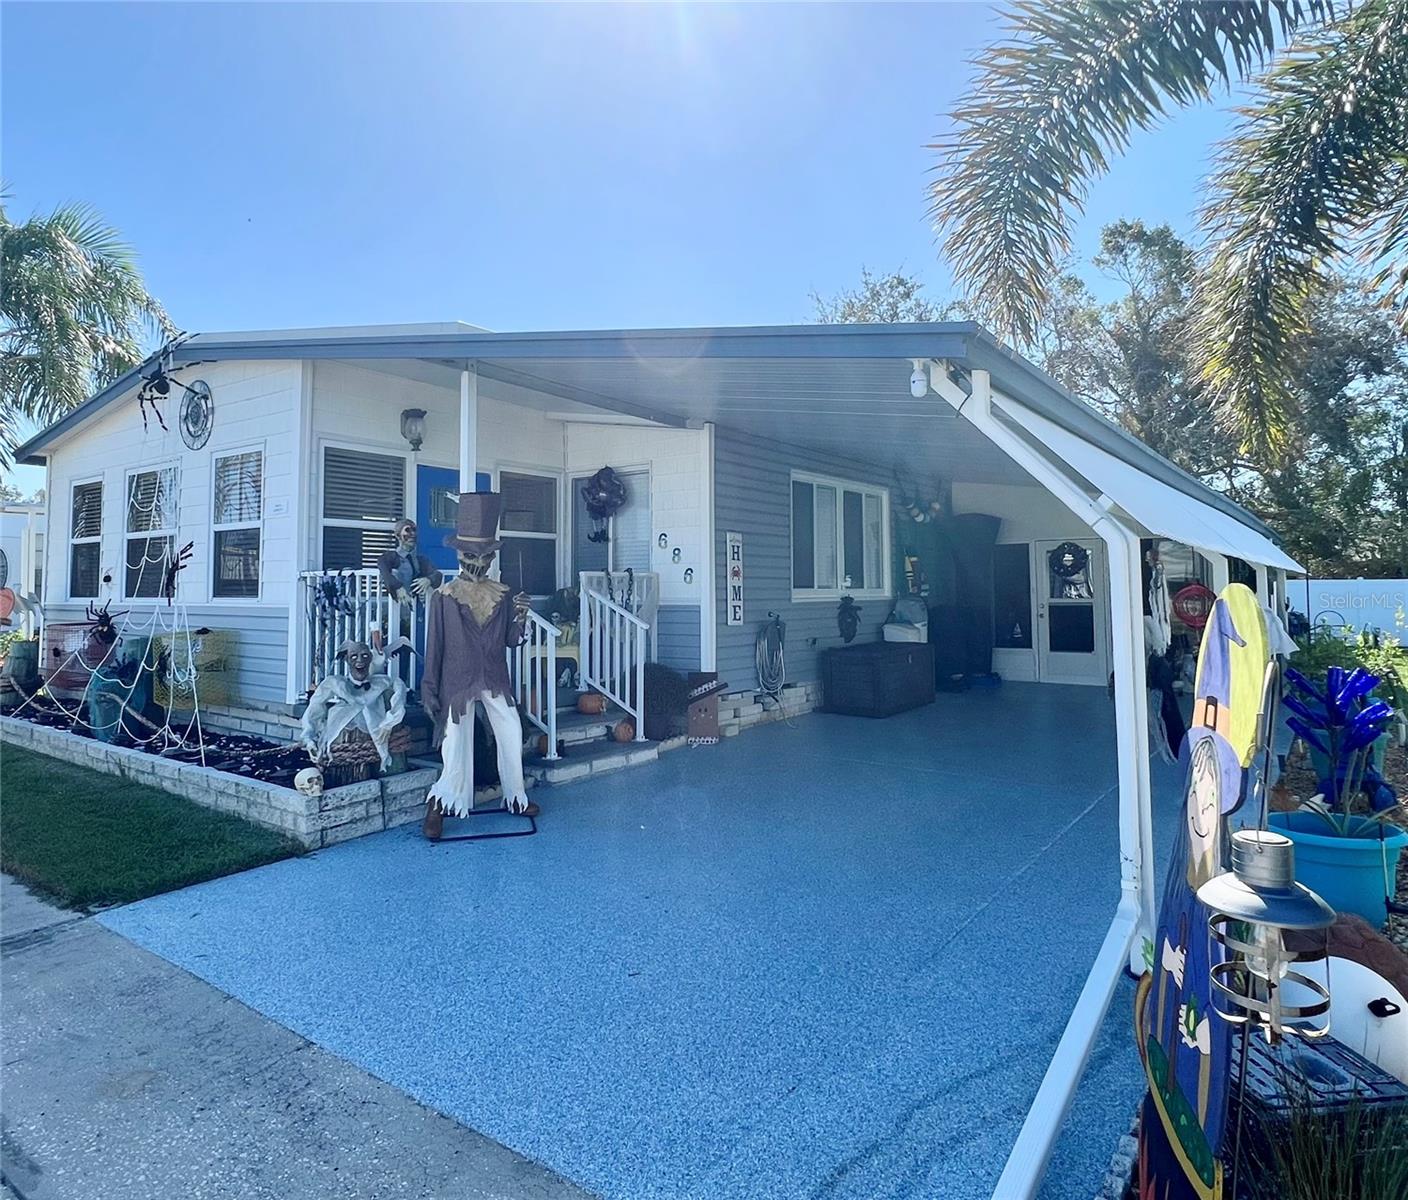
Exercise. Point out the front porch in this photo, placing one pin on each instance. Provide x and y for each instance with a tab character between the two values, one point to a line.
841	973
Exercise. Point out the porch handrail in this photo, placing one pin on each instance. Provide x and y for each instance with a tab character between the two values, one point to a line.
612	644
353	603
532	667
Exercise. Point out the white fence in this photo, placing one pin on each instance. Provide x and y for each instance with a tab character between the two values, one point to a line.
613	648
343	605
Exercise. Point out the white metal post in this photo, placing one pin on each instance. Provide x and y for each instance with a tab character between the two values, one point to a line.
1221	570
1134	916
469	427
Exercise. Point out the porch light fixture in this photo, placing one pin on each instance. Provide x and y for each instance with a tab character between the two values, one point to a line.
919	381
1253	907
413	426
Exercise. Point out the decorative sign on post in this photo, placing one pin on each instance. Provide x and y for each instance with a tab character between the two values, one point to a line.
733	558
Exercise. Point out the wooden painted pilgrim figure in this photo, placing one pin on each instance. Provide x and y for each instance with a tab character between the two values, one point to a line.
471	620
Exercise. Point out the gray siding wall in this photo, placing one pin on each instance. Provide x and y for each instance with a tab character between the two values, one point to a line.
262	647
753	496
677	636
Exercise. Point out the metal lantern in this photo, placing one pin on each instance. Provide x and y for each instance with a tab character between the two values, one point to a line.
1253	907
413	426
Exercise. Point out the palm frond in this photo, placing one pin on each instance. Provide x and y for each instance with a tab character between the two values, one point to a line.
1317	158
1068	86
74	313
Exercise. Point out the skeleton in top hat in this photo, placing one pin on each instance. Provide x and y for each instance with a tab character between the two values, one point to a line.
471	620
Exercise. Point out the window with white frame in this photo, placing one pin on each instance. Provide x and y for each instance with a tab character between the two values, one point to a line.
86	540
364	495
528	529
840	539
150	530
238	524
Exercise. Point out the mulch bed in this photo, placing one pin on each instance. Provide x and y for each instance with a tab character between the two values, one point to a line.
236	754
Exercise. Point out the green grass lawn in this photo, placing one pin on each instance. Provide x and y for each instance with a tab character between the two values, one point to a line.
83	838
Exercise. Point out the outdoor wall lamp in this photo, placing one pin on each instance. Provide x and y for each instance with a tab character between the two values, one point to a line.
413	426
1253	907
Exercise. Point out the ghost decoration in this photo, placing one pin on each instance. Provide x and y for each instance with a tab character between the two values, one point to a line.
374	703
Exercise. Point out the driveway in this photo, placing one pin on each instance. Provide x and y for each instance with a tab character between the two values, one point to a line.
826	958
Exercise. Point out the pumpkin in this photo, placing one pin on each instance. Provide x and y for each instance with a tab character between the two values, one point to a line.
625	730
591	703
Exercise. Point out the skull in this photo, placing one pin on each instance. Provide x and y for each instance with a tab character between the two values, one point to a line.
309	781
476	566
358	657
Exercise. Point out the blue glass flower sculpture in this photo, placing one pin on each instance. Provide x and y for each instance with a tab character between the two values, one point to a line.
1342	721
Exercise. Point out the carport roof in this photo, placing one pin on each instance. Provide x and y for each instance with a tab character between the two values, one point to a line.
842	388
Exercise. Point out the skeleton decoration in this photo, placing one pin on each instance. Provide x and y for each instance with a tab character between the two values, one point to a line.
309	781
406	574
360	699
470	621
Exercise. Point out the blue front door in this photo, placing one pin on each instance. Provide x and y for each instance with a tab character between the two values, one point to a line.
437	493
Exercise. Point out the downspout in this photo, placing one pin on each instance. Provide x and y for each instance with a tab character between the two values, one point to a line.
1134	916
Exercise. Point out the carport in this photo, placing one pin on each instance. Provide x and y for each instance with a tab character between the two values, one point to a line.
950	397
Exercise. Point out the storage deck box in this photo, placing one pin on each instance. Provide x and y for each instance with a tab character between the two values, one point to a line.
878	679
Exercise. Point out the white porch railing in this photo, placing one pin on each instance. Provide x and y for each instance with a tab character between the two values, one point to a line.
352	604
613	648
638	592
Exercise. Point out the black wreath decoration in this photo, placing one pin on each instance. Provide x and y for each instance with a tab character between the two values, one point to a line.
603	494
1068	560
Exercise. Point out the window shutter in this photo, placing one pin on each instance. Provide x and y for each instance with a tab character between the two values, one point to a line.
363	487
239	488
87	510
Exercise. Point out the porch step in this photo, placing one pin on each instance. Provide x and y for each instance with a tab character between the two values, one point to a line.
591	759
576	729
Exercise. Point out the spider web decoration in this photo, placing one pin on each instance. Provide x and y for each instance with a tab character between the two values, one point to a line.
197	416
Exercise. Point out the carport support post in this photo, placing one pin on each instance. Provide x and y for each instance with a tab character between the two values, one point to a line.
469	428
1134	917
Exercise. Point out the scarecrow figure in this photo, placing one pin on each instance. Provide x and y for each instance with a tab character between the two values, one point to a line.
406	575
472	619
360	699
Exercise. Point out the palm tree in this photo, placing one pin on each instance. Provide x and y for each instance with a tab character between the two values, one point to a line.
1317	166
73	315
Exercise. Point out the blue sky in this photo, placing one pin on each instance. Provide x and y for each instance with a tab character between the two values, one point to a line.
518	167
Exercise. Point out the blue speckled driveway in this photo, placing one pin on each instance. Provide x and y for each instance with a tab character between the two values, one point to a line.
830	958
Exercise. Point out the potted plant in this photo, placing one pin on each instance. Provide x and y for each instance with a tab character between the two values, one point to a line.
1345	850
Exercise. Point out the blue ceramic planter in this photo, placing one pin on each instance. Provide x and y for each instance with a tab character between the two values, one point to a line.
1347	872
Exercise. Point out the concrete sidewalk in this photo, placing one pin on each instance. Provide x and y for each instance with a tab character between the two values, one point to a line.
125	1078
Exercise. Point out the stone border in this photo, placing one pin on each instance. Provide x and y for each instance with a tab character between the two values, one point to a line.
1119	1174
336	816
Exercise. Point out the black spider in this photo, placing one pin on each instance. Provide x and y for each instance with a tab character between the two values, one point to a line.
102	622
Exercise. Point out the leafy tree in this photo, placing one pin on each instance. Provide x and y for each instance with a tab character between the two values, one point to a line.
73	315
891	298
1317	166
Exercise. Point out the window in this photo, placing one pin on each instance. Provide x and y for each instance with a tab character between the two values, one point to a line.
86	535
151	531
364	495
528	528
840	539
239	512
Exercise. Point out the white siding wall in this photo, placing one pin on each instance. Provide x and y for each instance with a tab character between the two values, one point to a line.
256	407
675	460
354	406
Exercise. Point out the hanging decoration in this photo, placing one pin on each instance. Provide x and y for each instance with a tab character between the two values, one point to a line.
197	416
603	494
911	505
848	619
1068	560
1193	605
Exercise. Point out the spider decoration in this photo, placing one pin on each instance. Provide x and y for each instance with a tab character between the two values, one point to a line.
156	386
173	566
101	622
